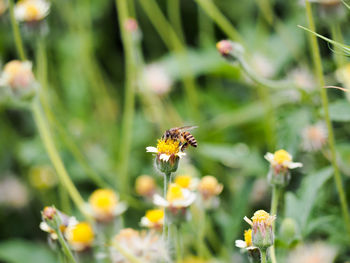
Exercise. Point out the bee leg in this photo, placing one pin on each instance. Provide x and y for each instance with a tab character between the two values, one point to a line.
184	146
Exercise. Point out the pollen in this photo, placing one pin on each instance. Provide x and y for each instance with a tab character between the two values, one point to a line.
82	233
183	180
103	200
174	193
168	147
261	216
155	215
248	237
282	156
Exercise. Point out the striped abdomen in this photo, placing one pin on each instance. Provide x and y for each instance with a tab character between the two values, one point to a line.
189	138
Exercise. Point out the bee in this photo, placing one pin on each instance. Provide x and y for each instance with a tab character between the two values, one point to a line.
183	135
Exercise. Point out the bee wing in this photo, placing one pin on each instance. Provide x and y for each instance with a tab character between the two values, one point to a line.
187	128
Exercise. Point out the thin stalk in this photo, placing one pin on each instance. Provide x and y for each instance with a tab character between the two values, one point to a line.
263	256
210	8
173	42
129	100
55	158
16	32
177	243
174	13
206	28
331	140
64	199
65	248
43	95
338	37
274	206
165	223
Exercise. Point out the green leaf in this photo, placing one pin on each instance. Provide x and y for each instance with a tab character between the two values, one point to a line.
299	206
340	111
20	251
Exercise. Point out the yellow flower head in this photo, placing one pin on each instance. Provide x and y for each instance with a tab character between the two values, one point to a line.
155	215
183	180
282	156
103	203
209	186
145	185
168	147
248	237
260	216
17	74
31	10
174	193
80	236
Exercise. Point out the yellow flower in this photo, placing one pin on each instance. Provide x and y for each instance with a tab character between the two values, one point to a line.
209	187
80	236
145	185
105	204
282	158
247	243
31	10
176	197
183	180
248	237
166	149
153	219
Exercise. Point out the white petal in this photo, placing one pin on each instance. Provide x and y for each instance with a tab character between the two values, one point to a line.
181	154
160	201
269	156
248	220
292	165
145	222
164	157
151	149
240	244
44	227
120	208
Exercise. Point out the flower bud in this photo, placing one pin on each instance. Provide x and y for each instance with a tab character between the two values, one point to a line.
145	186
262	233
49	212
230	50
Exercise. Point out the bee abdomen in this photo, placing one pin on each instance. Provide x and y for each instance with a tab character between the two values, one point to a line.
190	139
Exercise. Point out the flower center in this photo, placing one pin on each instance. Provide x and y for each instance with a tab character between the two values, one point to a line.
260	216
282	156
32	11
174	193
103	200
209	184
155	215
168	147
248	237
183	180
82	233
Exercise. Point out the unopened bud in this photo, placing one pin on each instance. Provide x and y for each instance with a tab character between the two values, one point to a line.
131	25
49	212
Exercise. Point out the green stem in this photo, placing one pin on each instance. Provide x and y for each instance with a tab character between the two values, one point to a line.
16	32
165	223
173	42
174	13
128	115
55	158
210	8
263	256
331	140
65	247
338	37
178	243
274	206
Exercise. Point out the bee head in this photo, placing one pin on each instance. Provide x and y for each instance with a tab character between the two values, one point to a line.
167	135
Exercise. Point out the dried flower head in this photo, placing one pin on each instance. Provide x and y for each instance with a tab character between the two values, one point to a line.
157	79
105	205
153	219
145	186
13	193
31	10
80	236
314	137
17	75
209	187
147	247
